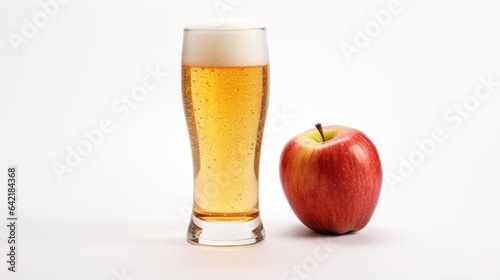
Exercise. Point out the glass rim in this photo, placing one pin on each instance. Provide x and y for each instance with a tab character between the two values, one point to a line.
202	29
225	25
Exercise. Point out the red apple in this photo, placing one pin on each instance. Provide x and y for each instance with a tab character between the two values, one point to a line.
331	177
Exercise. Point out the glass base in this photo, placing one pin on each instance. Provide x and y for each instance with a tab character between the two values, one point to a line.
225	234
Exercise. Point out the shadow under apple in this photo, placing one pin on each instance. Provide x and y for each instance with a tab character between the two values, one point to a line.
369	235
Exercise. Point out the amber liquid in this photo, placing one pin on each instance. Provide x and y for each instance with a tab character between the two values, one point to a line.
225	109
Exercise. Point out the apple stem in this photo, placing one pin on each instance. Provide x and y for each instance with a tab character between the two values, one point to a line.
320	129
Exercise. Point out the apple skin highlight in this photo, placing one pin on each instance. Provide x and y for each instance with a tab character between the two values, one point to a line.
332	186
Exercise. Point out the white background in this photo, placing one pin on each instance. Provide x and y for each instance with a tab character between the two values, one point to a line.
122	211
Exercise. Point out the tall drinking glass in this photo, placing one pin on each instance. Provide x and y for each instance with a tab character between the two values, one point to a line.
225	84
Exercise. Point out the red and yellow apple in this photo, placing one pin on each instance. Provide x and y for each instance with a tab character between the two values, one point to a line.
331	177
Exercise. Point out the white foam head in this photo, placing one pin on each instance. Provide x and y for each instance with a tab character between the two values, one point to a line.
234	42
